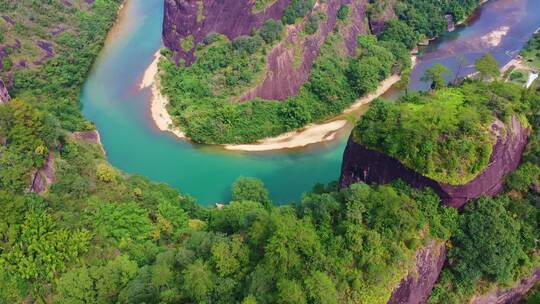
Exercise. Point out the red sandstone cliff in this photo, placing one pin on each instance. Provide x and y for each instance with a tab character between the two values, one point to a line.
234	18
370	166
198	18
4	95
417	286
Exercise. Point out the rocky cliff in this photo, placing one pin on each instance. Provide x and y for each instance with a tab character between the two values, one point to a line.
198	18
288	63
42	178
4	95
370	166
511	295
417	286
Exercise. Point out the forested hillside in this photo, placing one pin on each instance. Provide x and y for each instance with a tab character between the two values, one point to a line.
97	235
228	84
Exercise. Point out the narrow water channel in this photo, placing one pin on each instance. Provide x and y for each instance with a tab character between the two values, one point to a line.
112	100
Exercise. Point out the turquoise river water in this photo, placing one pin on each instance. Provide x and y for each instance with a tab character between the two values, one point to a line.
112	99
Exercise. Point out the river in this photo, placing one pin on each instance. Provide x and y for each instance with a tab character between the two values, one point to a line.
112	99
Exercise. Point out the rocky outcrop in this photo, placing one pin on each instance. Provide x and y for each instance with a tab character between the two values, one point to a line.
198	18
509	295
370	166
44	177
4	95
283	77
288	64
417	286
89	137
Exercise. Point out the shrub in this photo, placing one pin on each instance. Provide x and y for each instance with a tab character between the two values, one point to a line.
296	9
105	173
271	30
343	12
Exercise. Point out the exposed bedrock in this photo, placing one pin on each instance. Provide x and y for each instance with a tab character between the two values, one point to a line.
361	164
286	68
378	18
283	77
511	295
4	95
198	18
417	286
42	178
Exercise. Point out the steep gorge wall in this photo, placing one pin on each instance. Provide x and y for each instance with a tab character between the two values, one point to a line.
198	18
361	164
289	63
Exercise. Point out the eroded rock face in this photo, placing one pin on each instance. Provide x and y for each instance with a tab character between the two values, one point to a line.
417	286
4	95
361	164
198	18
283	78
233	18
510	295
44	177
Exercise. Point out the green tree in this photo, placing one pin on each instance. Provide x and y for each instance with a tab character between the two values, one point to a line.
198	281
294	113
435	76
343	12
271	30
119	221
250	189
290	292
487	66
171	219
487	245
397	30
40	249
365	74
321	289
95	284
231	257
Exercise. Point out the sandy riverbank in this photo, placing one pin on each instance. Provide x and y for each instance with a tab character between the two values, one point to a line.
158	106
311	134
314	133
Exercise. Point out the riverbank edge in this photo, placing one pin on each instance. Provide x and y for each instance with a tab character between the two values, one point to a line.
314	133
158	102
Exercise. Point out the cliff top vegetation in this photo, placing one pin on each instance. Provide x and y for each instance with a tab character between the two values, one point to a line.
446	134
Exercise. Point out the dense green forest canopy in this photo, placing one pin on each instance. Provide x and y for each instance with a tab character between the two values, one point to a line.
444	134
